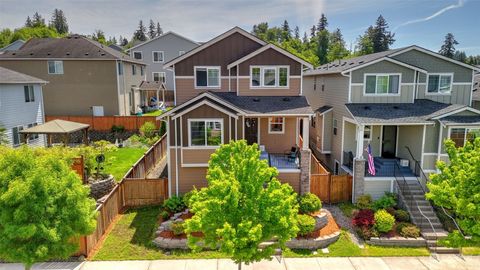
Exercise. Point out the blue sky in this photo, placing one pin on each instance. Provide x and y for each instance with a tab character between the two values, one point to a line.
421	22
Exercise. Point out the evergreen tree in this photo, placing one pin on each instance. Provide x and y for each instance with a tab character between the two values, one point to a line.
337	48
382	38
123	42
322	23
322	46
460	56
140	33
28	22
38	20
296	32
159	30
59	21
365	43
313	31
286	32
152	32
305	37
448	47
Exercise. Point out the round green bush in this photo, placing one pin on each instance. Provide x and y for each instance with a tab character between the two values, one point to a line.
383	221
364	202
402	215
309	203
410	231
366	232
165	215
174	204
178	227
306	224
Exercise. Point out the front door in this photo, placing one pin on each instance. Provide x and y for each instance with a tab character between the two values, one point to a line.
389	141
251	130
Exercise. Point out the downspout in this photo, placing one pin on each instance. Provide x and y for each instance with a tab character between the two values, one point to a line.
176	159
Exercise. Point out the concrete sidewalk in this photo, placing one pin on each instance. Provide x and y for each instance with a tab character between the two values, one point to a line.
445	262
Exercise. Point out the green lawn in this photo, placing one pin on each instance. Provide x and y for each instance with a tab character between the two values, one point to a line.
122	160
131	239
157	112
344	247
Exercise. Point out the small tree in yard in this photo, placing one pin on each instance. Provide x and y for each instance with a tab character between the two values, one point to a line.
243	205
44	207
457	187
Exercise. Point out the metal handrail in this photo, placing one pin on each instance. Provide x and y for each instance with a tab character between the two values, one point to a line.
417	165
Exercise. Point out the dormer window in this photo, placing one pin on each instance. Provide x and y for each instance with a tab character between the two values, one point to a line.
269	76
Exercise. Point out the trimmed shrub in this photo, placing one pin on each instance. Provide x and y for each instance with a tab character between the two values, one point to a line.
187	196
400	225
309	203
174	204
366	232
306	224
389	200
383	221
402	215
363	218
148	129
178	227
411	231
164	215
364	201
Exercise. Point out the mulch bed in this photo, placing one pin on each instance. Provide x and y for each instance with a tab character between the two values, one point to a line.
330	228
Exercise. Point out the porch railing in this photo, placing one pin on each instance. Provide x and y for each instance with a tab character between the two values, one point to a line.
348	159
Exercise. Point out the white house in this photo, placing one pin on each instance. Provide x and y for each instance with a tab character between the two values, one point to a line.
21	106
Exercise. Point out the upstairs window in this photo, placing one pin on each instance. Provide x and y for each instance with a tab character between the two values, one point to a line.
208	132
382	84
55	67
134	70
269	76
138	55
276	125
439	83
159	77
207	77
29	93
120	68
158	57
142	70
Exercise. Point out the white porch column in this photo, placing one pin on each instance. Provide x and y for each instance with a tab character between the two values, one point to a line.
359	137
305	132
158	96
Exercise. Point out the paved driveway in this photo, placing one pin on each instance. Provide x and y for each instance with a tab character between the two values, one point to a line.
445	262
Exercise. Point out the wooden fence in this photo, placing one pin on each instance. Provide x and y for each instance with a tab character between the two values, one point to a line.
329	188
130	192
105	123
147	162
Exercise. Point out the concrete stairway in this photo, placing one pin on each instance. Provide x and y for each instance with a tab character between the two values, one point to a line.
421	212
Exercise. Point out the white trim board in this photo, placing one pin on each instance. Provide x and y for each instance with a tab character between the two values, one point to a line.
208	103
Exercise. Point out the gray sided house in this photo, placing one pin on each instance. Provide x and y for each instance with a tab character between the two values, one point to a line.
85	77
476	92
21	106
12	46
160	50
401	103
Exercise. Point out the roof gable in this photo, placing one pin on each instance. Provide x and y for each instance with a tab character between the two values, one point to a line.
8	76
169	33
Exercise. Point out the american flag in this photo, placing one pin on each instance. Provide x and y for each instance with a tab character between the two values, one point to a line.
371	165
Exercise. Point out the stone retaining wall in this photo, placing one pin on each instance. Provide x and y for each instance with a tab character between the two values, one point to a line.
321	220
313	244
100	188
398	241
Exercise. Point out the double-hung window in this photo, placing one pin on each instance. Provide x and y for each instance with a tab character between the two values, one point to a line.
269	76
382	84
32	137
158	56
159	77
207	77
276	125
142	70
55	67
367	133
29	93
134	70
138	55
461	135
17	138
205	132
439	83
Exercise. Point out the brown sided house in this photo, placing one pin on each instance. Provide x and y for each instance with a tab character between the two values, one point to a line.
85	77
234	87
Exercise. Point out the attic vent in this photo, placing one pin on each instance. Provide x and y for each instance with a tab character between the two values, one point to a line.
396	107
68	53
13	53
102	54
75	37
31	53
352	63
48	53
367	108
286	99
86	53
360	62
256	100
344	63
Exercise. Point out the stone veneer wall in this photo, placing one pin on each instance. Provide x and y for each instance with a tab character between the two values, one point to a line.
358	178
305	156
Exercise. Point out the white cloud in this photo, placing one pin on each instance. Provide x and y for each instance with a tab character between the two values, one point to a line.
436	14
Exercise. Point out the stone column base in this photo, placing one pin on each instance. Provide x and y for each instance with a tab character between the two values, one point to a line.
358	178
305	156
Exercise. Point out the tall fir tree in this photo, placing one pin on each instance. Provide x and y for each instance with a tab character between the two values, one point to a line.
382	38
152	32
38	20
305	37
322	46
337	48
140	33
286	32
159	30
59	21
448	47
28	22
322	23
123	42
296	32
313	31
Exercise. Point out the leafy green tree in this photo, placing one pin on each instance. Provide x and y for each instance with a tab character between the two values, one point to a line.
59	21
44	207
377	38
99	36
3	136
243	205
460	56
337	49
457	186
365	43
140	33
448	47
151	29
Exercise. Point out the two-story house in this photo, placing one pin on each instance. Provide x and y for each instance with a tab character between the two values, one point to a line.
85	77
234	87
21	106
401	104
158	51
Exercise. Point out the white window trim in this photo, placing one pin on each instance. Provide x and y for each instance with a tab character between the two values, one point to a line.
205	146
30	139
163	56
159	73
449	92
141	55
32	92
467	128
277	76
55	62
382	74
270	126
19	128
370	134
134	70
207	86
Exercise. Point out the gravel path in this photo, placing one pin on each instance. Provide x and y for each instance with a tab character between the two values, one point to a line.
345	223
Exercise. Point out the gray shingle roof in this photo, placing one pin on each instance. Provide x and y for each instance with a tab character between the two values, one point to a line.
461	119
9	76
323	109
151	85
280	105
73	46
422	111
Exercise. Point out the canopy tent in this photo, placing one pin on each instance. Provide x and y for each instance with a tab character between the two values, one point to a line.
57	126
